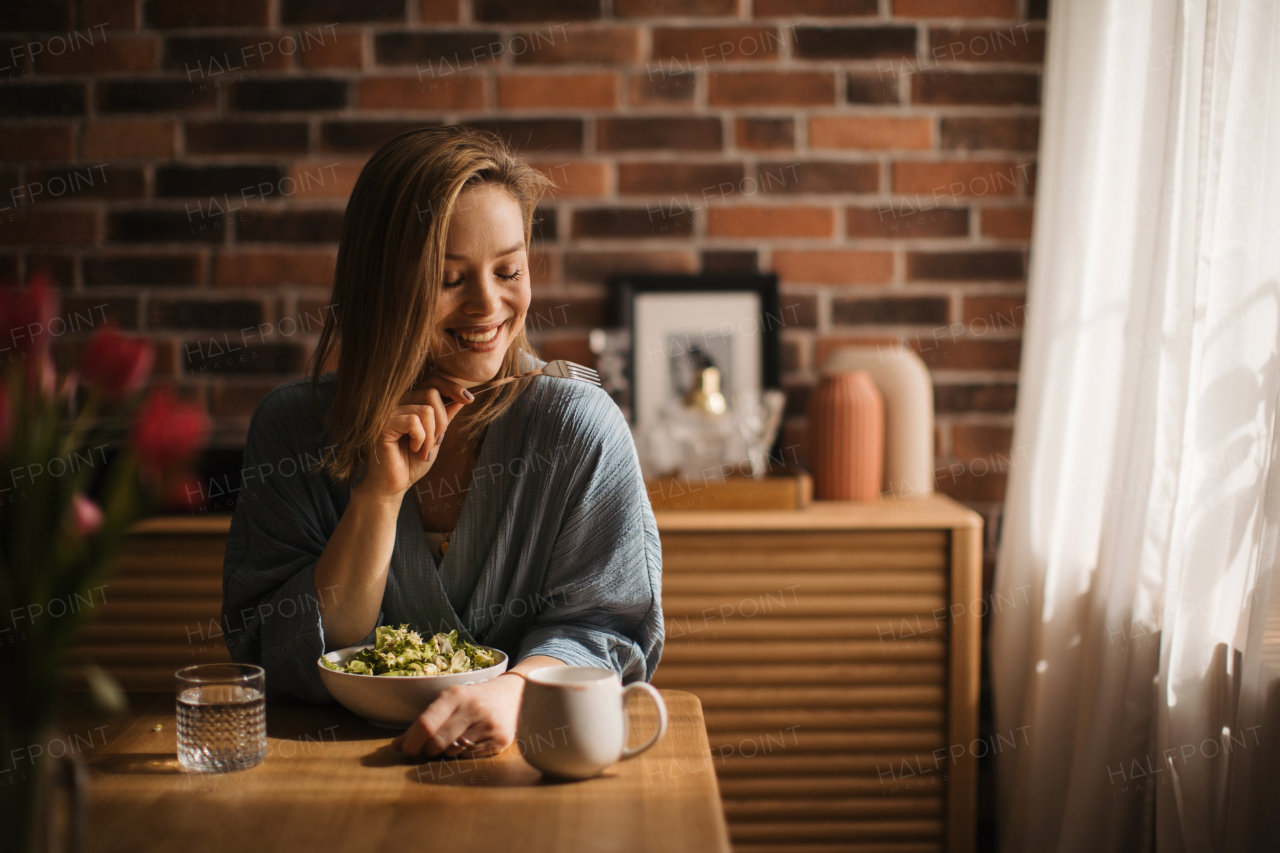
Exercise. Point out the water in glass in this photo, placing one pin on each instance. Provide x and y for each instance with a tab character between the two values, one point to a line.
221	727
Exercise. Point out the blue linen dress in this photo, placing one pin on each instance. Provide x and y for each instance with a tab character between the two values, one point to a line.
556	551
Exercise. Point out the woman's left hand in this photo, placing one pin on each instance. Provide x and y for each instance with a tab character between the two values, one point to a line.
483	713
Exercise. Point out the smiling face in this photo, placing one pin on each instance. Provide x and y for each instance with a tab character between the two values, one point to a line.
485	294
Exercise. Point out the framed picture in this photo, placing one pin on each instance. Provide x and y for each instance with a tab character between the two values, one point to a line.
680	323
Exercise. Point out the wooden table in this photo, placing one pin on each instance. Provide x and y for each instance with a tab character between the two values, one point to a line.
331	782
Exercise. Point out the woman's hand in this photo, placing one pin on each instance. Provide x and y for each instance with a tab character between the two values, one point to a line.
411	437
484	713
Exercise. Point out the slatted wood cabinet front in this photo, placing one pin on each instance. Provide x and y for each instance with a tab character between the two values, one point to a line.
827	655
834	649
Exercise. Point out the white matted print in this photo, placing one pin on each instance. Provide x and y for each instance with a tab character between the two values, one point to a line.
674	333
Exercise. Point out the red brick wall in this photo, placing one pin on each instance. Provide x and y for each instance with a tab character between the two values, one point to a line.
879	155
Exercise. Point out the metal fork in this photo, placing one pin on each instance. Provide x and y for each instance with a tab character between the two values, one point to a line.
560	369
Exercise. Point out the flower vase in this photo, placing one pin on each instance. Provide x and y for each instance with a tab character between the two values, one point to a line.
846	428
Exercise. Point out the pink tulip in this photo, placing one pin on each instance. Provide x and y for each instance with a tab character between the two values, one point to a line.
86	513
116	365
26	315
168	432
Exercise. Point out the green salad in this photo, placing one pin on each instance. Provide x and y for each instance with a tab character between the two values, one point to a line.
399	651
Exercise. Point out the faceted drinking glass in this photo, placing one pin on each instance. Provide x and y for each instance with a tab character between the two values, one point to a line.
222	716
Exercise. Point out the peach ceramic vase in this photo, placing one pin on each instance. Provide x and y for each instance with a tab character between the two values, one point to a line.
846	437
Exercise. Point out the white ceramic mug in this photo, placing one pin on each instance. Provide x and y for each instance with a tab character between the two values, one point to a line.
573	720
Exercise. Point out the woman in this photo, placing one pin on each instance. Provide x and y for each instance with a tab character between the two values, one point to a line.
386	493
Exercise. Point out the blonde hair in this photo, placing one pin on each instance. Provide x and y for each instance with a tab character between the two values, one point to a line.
388	277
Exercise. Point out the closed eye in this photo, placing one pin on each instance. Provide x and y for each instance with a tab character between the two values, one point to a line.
512	277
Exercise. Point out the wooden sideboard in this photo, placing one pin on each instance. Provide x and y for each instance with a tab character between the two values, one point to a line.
835	650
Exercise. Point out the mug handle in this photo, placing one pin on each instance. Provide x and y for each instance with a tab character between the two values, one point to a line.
654	695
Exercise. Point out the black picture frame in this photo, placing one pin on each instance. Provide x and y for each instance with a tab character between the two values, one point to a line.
625	288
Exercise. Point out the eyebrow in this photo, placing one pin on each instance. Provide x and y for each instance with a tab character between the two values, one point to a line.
511	251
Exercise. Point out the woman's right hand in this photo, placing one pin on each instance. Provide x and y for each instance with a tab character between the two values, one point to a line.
411	438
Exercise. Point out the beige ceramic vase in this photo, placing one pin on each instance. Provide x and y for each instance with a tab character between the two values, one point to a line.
846	437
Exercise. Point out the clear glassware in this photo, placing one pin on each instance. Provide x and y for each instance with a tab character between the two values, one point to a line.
222	716
758	414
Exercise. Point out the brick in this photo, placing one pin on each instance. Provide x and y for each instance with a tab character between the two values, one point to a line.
321	179
116	14
955	8
580	45
665	8
971	441
955	87
174	14
964	354
966	266
437	11
697	46
142	269
154	96
557	90
37	142
611	222
341	11
211	356
765	134
544	267
516	11
670	178
537	135
85	181
1038	10
870	133
60	267
32	100
597	267
958	178
1003	133
119	53
181	181
128	139
237	398
661	88
439	53
794	355
119	311
44	225
722	261
815	8
364	136
224	60
996	397
246	137
410	93
833	266
770	221
854	42
336	50
904	224
291	226
561	311
1015	43
1007	223
678	133
798	310
871	88
973	484
772	88
35	15
311	93
573	347
163	313
163	226
545	224
273	269
819	177
983	314
918	310
576	179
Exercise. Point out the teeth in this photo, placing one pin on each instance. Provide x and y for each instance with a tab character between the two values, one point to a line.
477	338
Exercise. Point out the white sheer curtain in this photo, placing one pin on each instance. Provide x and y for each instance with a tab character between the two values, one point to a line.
1145	521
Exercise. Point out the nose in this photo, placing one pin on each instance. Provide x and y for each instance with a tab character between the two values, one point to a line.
483	296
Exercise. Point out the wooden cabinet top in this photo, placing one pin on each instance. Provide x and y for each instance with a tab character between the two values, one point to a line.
934	511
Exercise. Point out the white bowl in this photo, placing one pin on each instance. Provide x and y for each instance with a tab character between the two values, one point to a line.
395	701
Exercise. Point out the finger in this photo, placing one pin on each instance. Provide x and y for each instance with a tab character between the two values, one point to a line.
418	430
441	416
455	391
423	729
